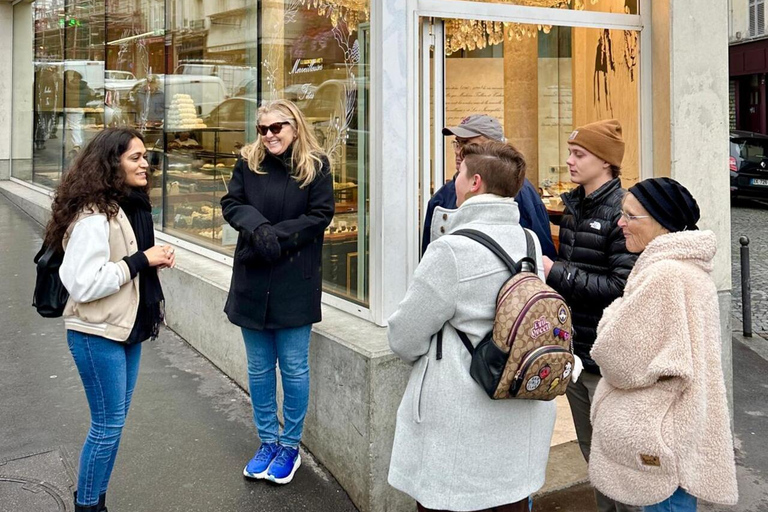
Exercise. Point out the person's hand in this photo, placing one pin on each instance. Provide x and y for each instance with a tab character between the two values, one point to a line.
578	367
160	256
171	253
259	246
547	265
265	243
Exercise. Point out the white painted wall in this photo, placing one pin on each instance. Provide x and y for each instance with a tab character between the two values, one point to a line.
699	116
738	20
393	142
6	79
23	41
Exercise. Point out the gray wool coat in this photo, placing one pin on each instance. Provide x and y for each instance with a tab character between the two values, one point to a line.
455	448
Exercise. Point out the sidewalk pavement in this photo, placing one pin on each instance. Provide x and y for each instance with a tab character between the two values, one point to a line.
187	437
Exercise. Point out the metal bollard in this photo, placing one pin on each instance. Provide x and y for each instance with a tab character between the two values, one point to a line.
746	288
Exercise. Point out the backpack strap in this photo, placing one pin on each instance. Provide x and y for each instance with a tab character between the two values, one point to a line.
494	247
531	251
491	245
515	268
464	340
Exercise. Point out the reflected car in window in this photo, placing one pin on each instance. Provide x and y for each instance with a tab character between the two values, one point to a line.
227	125
748	164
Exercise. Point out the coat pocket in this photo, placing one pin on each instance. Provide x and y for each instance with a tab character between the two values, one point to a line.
307	257
419	372
634	427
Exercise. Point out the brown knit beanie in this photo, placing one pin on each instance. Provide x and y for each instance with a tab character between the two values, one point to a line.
602	139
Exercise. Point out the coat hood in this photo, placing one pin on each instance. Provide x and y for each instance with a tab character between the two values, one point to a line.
697	247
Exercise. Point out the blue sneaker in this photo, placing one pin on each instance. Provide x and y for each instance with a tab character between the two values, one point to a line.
258	465
284	466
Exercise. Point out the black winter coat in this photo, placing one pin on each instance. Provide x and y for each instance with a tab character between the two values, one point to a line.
593	263
285	293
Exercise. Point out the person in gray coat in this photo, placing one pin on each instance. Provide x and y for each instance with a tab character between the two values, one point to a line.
454	448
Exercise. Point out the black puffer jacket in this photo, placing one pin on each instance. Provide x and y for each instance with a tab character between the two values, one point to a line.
593	263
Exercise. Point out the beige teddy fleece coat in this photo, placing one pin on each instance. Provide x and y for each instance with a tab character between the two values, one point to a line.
660	418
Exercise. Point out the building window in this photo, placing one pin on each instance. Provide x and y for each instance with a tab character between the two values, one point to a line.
756	18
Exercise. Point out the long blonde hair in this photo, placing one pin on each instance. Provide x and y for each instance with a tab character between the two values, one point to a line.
307	157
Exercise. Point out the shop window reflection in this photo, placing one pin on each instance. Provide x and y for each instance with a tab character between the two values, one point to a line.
316	55
190	75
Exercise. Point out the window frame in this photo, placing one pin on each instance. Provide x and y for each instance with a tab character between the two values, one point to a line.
395	265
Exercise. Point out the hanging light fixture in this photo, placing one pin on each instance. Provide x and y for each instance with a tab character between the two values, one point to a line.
475	35
352	12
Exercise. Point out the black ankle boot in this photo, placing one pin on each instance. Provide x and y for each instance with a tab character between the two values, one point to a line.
88	508
102	503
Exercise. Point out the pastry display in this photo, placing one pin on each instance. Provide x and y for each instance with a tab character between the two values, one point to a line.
342	224
182	114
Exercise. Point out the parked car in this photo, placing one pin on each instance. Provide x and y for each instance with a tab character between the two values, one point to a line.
233	77
749	164
234	116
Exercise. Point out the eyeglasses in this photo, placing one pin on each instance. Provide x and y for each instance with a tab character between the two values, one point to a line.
459	144
627	217
275	128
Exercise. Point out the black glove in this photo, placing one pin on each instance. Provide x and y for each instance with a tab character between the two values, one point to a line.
260	246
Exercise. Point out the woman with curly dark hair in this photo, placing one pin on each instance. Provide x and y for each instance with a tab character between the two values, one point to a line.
102	220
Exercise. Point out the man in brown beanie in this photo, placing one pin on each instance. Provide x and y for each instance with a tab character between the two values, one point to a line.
593	262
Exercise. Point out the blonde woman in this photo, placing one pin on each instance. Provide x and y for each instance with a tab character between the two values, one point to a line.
280	200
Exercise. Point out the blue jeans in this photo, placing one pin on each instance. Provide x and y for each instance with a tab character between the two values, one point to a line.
264	349
680	501
109	371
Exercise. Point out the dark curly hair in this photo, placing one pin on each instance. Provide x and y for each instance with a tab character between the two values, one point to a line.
94	180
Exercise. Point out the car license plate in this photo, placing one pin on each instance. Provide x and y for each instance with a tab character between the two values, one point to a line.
759	182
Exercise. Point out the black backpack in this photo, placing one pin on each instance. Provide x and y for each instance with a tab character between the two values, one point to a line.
50	296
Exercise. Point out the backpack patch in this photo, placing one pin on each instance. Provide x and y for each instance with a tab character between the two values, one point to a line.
540	327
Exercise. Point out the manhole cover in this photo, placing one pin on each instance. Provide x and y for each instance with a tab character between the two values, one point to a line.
21	493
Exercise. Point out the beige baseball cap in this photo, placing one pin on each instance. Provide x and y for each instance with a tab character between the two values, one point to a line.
475	126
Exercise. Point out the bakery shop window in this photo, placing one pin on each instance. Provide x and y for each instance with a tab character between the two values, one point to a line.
541	82
316	55
210	54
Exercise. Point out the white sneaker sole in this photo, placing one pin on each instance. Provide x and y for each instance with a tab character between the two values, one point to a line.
287	479
255	476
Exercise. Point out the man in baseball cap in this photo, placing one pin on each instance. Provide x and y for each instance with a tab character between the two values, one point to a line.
476	129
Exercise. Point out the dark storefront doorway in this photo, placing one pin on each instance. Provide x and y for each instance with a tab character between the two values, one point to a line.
748	65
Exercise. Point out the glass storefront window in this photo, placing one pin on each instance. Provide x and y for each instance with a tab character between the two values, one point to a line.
541	86
615	6
190	76
317	56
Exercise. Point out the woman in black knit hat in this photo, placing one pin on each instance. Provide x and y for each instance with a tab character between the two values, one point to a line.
661	430
662	200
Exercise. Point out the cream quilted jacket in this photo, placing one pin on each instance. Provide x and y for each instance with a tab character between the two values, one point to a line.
660	417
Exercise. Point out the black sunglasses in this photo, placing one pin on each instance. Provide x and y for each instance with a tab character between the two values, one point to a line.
275	128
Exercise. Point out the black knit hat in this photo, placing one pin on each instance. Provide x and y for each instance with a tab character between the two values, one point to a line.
670	203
